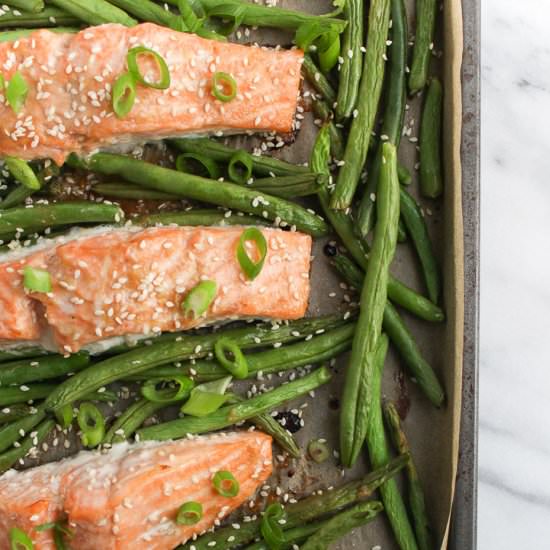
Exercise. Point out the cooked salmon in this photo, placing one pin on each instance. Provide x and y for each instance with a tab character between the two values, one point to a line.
126	282
129	497
70	79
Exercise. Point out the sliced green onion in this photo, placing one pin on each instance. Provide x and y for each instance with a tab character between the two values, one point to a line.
2	82
240	167
225	11
65	415
60	531
180	390
17	91
271	528
133	67
313	36
210	167
36	280
237	365
207	398
189	513
22	172
318	450
250	267
189	17
92	424
124	94
224	87
19	540
199	299
225	484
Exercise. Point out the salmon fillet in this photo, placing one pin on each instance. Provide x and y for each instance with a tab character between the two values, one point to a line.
133	283
70	78
129	498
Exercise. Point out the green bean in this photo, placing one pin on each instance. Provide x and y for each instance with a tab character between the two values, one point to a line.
145	10
305	510
174	348
431	177
350	70
95	12
21	353
233	414
343	225
415	492
394	112
15	412
307	352
379	454
416	227
322	111
198	217
292	536
130	420
16	196
41	368
22	394
423	44
49	17
369	95
357	396
284	438
341	524
318	80
132	192
261	164
13	432
27	5
42	217
401	232
224	194
289	186
17	454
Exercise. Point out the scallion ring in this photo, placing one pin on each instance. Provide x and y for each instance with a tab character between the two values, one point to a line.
133	67
224	86
270	527
318	450
189	513
190	19
237	365
250	267
65	416
92	424
240	167
207	398
209	167
225	484
22	172
19	540
180	389
36	280
124	94
17	90
328	50
197	302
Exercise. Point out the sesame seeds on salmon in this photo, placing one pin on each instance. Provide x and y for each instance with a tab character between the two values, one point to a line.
129	497
124	282
71	76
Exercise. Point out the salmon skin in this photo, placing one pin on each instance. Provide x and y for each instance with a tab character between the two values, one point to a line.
125	282
71	76
129	497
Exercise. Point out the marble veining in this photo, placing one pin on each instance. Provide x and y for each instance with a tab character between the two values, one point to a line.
514	445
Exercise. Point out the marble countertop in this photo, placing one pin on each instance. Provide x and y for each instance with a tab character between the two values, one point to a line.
514	443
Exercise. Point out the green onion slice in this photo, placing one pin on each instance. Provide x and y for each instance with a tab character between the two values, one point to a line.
92	423
65	415
133	67
225	484
208	167
224	87
16	92
235	12
237	364
199	299
271	528
207	398
189	513
250	267
36	280
19	540
176	388
2	82
240	167
190	19
22	172
318	451
312	35
124	94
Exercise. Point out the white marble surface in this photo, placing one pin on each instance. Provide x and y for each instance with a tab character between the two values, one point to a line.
514	459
